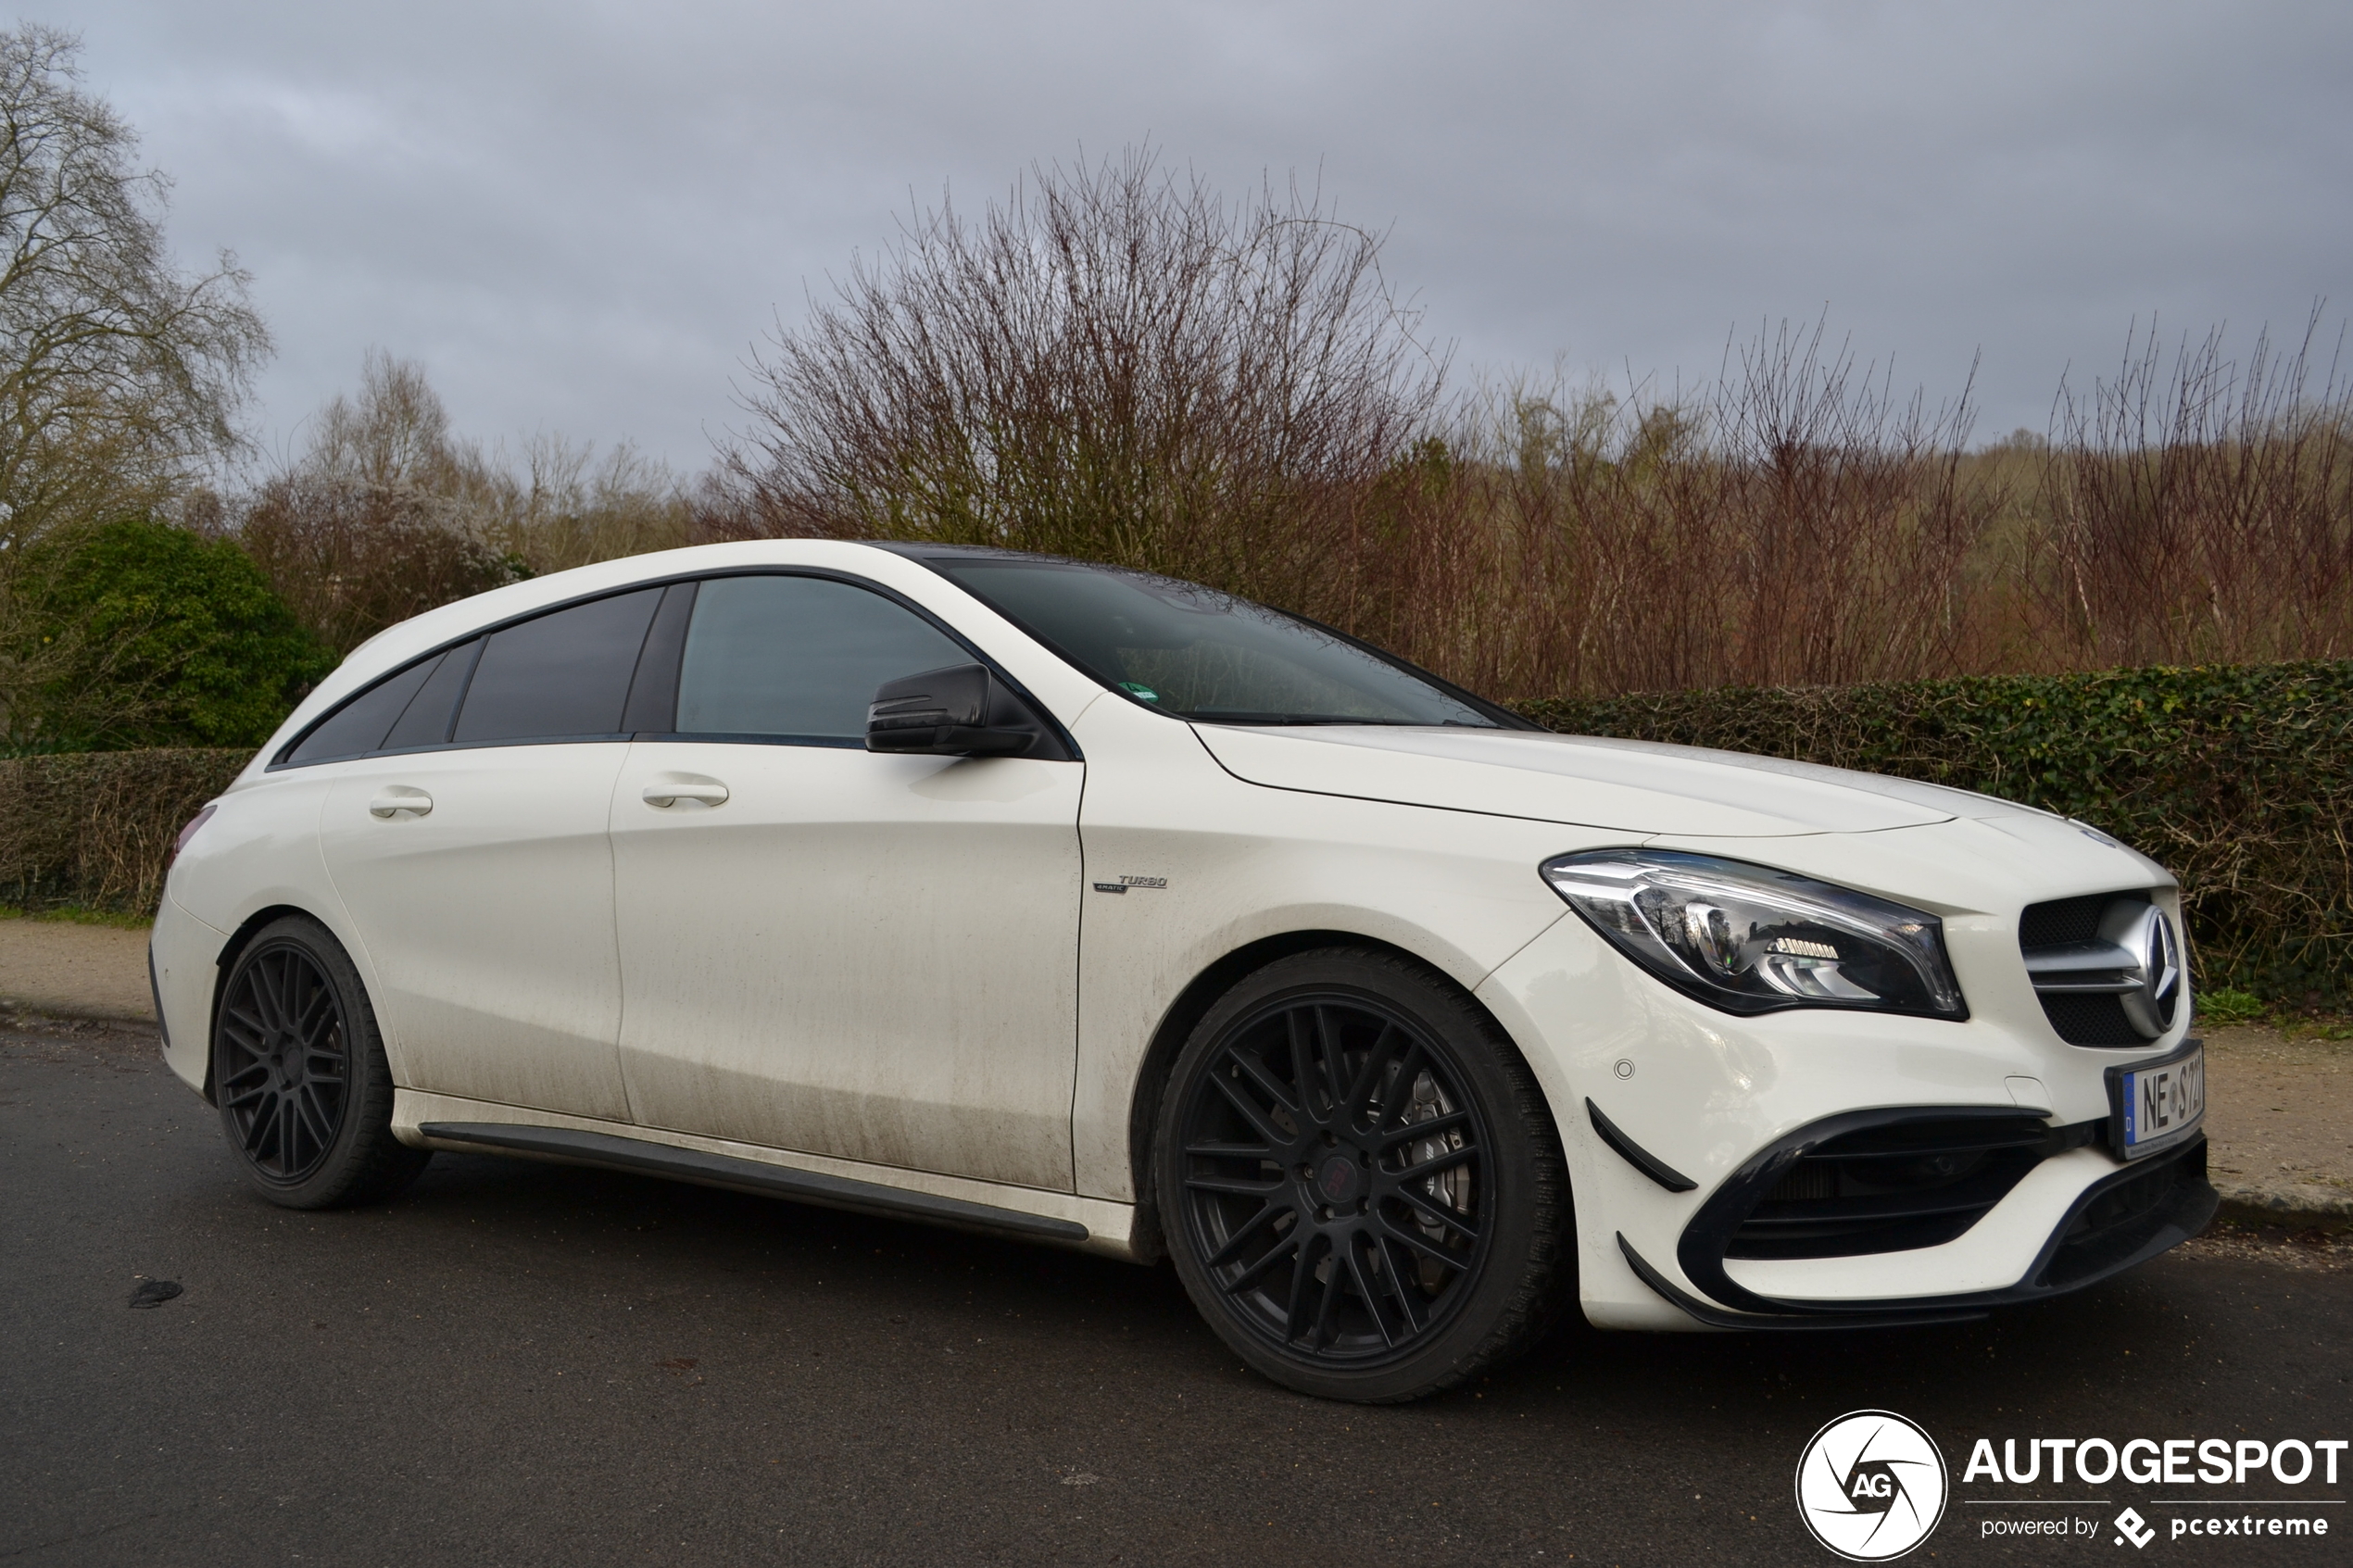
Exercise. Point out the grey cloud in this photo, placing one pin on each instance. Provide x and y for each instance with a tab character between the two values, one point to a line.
579	217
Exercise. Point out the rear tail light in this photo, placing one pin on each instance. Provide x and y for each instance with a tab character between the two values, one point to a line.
190	831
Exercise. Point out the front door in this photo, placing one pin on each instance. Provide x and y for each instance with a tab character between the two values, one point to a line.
836	951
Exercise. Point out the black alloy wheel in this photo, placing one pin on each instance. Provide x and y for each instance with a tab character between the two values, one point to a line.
300	1077
1349	1173
284	1065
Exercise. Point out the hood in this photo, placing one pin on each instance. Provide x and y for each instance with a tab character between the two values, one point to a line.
1631	786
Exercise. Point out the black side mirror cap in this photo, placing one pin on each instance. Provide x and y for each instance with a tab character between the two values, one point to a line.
958	711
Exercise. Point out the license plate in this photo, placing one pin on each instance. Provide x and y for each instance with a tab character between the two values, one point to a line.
2156	1104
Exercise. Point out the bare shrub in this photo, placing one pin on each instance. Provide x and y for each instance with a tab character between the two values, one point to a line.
388	514
1114	363
1794	523
2201	513
352	559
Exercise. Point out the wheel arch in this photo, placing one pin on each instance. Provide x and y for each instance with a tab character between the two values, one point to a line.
231	950
1192	1004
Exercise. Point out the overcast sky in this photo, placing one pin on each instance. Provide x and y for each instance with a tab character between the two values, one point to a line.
579	216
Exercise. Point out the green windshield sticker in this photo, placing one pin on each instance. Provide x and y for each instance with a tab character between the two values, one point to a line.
1142	692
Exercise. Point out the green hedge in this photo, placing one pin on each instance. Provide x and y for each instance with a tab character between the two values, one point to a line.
2239	779
95	828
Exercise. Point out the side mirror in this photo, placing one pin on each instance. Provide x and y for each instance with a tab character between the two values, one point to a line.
959	711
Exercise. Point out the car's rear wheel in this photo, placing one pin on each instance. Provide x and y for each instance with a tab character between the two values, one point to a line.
1360	1182
298	1071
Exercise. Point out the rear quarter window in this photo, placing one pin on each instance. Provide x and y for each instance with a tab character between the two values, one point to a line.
359	725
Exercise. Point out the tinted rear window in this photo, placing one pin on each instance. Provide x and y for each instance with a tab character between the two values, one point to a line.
559	676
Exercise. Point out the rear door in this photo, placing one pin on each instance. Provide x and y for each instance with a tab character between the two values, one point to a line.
472	854
829	950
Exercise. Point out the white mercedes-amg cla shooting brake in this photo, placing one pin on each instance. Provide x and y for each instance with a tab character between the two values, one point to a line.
1084	907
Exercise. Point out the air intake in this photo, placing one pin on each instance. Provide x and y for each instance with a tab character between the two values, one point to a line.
1892	1188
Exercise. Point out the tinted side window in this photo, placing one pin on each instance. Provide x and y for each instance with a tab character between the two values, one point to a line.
798	657
359	726
560	675
427	720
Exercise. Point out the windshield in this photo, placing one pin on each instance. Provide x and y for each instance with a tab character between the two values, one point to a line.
1200	654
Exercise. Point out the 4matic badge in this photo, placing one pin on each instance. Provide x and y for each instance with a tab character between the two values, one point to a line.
1870	1486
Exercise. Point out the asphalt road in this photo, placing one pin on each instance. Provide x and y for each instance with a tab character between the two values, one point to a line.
519	1363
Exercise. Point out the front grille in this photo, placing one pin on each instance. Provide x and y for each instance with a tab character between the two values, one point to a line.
2091	1021
1892	1188
2079	1018
2062	920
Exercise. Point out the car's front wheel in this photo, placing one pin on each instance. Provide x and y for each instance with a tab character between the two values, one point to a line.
298	1071
1361	1184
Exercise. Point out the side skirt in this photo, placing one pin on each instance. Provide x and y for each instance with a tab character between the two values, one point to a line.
1089	1224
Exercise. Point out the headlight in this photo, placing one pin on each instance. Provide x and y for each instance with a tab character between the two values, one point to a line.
1752	939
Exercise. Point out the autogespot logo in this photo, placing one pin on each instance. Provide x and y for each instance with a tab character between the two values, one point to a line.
1870	1486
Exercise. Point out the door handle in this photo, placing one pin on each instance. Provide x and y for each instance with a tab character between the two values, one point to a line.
669	792
399	798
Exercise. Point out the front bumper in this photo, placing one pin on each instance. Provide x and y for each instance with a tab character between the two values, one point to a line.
2126	1217
1679	1121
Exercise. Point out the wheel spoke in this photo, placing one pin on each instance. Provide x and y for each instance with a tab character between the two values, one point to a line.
1258	1120
316	1120
1445	1159
253	1072
1237	1187
1394	1270
317	1018
299	1133
1289	1246
1294	1033
1414	1132
1331	1061
323	1064
1360	1091
1398	1097
1443	1213
1406	1236
1266	1083
290	979
257	1131
1303	1274
1230	1151
261	993
1266	1215
1364	1290
1328	1306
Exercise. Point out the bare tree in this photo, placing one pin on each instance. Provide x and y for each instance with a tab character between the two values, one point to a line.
389	512
120	375
1114	363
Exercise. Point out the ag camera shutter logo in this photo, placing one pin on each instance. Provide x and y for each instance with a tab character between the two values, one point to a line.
1872	1486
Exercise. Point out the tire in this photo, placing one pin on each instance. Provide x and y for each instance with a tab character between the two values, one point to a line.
1361	1185
299	1070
